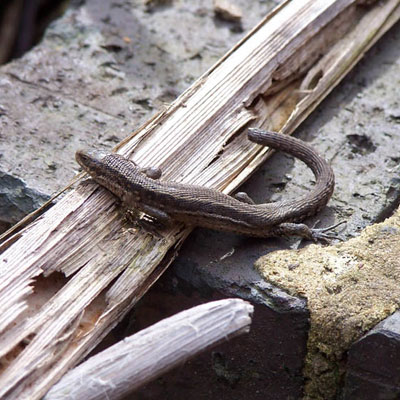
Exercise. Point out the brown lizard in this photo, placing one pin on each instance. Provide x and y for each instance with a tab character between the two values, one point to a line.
199	206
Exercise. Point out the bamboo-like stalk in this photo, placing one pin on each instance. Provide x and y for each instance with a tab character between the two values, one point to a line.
272	79
133	362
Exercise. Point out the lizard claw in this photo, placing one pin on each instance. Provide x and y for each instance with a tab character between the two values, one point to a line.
320	234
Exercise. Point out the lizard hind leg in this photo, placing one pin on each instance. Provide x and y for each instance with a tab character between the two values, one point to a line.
304	231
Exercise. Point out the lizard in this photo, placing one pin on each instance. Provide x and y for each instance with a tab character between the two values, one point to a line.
141	189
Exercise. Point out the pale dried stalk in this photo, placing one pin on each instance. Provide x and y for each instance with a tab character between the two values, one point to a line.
131	363
199	139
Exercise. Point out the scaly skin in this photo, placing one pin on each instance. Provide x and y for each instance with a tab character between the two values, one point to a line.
200	206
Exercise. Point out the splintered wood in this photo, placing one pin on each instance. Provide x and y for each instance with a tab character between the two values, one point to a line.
98	264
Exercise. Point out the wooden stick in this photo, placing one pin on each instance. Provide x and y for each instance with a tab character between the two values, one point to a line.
272	79
138	359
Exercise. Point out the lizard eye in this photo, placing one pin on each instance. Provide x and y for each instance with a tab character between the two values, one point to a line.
83	158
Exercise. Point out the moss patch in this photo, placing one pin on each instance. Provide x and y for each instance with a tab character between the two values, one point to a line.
349	288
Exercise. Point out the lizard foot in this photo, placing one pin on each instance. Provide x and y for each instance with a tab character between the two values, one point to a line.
322	235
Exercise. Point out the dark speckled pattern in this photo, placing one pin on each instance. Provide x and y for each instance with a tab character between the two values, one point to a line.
199	206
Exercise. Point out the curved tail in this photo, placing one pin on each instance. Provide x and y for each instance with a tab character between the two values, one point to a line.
319	196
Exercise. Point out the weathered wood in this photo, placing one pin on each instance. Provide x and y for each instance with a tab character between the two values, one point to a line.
129	364
274	78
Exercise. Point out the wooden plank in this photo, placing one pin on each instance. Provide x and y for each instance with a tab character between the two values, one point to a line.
270	79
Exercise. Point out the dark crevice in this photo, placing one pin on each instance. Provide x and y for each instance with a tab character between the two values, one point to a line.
23	23
231	138
314	81
393	194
